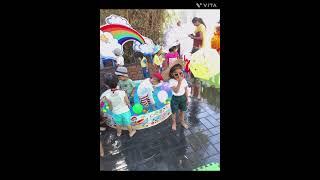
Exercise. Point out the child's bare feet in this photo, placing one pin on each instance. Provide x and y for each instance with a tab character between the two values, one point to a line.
185	125
119	133
174	126
101	150
132	132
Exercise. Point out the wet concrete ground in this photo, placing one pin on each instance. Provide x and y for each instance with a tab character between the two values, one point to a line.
158	148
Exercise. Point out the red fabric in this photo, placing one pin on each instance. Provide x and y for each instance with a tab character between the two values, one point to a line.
197	42
158	76
187	67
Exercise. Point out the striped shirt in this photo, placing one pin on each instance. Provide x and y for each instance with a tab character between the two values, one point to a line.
145	101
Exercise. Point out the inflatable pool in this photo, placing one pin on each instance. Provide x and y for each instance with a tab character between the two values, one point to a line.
144	118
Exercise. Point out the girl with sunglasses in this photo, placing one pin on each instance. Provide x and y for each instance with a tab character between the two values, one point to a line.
179	100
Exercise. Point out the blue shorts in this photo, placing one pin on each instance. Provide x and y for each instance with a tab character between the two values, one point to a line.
145	72
131	99
123	119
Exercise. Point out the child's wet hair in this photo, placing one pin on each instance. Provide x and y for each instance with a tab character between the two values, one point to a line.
174	68
111	80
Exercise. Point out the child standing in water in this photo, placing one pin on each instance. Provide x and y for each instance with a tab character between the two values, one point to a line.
156	80
125	83
119	105
179	99
146	88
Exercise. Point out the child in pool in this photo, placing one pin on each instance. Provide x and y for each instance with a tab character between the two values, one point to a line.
148	86
144	91
156	80
179	99
119	104
125	83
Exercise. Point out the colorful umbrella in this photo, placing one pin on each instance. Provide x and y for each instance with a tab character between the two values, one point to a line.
205	65
213	81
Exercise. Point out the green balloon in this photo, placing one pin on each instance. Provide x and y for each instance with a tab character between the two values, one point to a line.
137	108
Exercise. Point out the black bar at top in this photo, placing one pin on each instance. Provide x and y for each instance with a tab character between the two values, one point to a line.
159	4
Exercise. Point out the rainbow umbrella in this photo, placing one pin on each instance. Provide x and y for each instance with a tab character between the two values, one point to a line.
205	65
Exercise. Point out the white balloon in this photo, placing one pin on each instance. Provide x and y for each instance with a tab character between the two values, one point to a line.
162	96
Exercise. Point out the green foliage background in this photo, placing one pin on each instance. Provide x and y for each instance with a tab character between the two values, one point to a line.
150	23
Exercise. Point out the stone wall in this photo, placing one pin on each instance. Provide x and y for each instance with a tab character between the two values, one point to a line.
134	72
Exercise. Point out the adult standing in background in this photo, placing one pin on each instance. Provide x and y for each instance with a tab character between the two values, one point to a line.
199	35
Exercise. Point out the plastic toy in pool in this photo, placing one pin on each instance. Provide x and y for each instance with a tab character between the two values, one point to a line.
144	116
104	106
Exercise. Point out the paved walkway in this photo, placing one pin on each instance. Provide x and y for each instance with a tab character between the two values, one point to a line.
158	148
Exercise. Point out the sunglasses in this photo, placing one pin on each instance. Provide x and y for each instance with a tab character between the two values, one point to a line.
177	74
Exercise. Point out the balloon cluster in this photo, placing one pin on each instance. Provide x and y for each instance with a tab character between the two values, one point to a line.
104	106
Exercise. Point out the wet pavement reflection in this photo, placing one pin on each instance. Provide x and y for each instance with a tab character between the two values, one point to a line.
158	148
